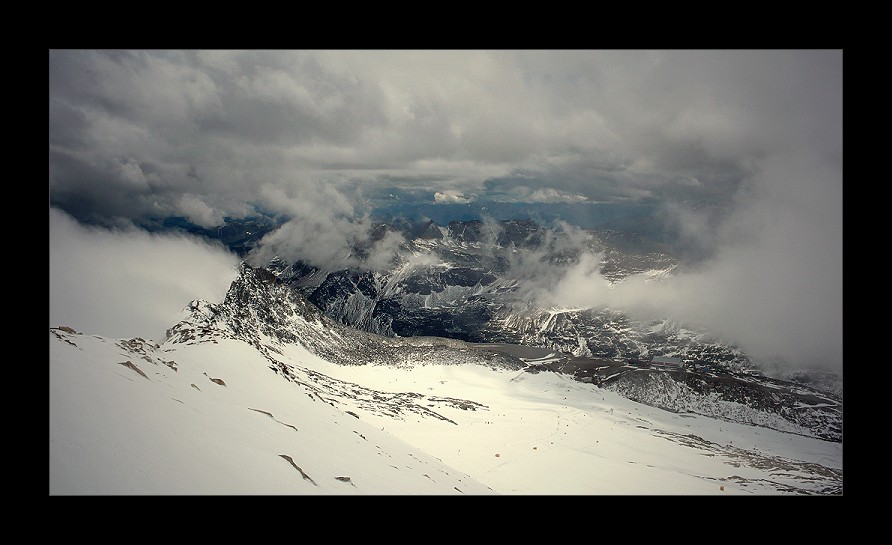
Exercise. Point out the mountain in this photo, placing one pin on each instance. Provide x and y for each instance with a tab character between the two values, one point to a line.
131	417
263	393
486	281
265	313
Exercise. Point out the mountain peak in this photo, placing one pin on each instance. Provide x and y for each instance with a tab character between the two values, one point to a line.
269	314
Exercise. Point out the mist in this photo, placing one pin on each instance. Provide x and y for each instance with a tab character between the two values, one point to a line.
772	282
126	283
327	228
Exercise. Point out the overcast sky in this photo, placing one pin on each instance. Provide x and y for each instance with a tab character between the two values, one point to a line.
210	133
743	148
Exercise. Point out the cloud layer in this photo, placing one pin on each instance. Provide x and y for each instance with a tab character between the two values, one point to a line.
201	133
742	150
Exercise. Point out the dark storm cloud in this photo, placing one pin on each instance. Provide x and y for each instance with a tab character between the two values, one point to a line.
740	146
160	130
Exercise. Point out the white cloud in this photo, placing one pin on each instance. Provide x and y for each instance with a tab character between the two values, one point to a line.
128	283
774	283
549	194
450	196
200	213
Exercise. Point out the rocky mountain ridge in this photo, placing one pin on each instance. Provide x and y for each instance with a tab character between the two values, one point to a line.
265	313
268	314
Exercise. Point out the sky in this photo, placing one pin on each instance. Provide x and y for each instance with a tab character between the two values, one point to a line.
212	418
740	150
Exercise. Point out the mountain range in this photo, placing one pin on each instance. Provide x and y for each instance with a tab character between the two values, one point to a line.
266	393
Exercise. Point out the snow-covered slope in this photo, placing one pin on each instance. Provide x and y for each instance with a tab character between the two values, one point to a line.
129	417
264	395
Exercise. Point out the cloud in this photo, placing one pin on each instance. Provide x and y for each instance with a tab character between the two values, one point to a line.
450	196
127	283
147	127
773	283
200	213
741	149
325	229
548	194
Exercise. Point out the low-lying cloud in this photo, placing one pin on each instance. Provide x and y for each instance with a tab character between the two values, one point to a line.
450	196
772	283
127	283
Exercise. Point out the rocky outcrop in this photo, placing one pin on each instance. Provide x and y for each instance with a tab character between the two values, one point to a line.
267	314
130	365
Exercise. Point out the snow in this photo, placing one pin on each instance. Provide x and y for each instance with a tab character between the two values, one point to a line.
179	432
